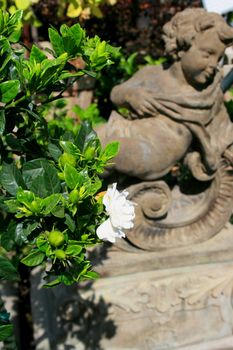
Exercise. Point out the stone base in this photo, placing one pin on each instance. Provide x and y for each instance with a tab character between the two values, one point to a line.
175	299
168	309
222	344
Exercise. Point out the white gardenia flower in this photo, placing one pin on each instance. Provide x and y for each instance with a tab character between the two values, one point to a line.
121	215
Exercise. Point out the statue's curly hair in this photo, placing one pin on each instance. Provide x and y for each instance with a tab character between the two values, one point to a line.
180	32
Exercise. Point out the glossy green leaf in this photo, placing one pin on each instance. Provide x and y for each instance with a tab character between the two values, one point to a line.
56	41
70	223
77	33
74	249
37	55
23	230
9	90
111	150
69	147
5	331
25	196
3	7
7	270
22	4
52	283
59	211
85	134
42	243
72	176
8	236
34	258
49	203
14	26
54	151
41	177
11	178
2	122
91	275
12	205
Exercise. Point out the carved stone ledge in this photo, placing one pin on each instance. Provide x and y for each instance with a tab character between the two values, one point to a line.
168	309
120	260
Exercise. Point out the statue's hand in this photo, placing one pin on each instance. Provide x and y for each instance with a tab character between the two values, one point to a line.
228	155
142	102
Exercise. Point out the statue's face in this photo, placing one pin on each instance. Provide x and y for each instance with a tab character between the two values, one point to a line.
199	63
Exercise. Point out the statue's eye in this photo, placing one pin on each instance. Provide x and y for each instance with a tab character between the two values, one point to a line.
205	55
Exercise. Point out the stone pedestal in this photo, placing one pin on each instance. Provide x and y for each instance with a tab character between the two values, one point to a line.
173	299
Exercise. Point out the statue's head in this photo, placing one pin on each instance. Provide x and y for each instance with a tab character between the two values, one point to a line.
198	40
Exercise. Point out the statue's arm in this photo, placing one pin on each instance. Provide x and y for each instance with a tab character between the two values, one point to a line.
122	94
135	95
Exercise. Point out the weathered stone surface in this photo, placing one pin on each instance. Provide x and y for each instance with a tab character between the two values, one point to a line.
168	309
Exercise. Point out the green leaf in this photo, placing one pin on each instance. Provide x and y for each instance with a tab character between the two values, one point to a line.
8	236
22	232
52	284
5	331
24	196
14	26
71	176
56	41
16	18
50	203
75	178
77	33
51	69
7	270
70	223
66	278
94	186
12	205
111	150
91	275
54	151
42	243
67	75
22	4
11	178
3	6
41	177
73	249
74	9
59	211
9	90
70	148
2	122
36	55
85	134
33	259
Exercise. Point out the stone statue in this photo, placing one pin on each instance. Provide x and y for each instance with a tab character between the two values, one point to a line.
177	118
169	284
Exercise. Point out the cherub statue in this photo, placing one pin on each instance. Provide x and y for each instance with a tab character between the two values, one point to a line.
176	110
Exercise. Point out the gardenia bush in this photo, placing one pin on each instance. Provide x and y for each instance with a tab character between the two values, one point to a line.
49	184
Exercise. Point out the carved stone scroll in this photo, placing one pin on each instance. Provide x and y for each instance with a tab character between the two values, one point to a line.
166	219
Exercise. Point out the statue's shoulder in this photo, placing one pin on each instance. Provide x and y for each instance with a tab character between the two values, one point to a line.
151	70
147	76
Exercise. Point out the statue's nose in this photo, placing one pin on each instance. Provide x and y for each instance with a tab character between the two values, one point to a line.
213	63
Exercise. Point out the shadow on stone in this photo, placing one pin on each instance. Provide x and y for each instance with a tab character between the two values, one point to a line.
69	316
91	324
